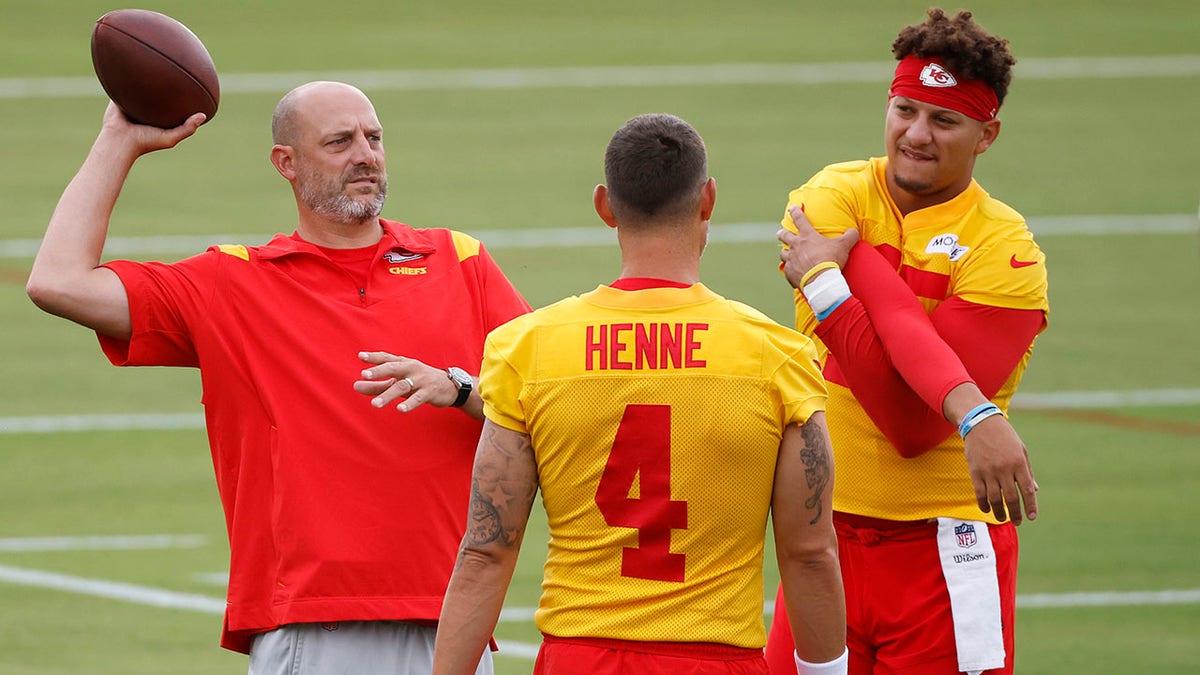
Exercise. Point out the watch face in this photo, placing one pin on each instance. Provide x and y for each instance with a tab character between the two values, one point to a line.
459	375
463	379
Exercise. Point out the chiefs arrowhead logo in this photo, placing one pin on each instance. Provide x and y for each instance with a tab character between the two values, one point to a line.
934	75
398	257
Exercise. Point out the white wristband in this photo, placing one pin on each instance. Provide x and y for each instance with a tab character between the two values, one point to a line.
838	666
825	291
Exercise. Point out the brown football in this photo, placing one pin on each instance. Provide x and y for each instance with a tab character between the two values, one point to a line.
154	68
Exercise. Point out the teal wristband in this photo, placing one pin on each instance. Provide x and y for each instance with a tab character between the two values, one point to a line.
977	415
837	303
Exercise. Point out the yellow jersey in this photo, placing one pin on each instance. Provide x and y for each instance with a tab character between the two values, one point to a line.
973	247
655	416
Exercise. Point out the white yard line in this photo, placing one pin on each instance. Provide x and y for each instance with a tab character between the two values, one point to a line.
1139	67
574	237
167	599
1111	599
114	590
1085	400
101	543
1062	400
52	424
159	597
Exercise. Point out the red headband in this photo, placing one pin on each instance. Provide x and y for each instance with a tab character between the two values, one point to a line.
926	80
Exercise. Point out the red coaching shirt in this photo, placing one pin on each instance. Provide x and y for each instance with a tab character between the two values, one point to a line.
336	511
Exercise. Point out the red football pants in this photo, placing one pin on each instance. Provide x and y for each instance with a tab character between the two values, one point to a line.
591	656
897	606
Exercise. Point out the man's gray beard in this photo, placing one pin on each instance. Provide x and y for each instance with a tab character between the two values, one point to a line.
342	208
346	210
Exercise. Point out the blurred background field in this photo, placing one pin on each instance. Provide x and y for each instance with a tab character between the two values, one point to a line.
496	117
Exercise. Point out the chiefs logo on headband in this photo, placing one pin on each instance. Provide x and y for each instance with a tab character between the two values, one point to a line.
933	75
928	81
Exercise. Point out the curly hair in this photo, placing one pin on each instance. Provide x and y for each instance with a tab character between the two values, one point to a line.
962	45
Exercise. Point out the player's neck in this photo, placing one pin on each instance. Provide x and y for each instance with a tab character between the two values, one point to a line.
662	253
647	265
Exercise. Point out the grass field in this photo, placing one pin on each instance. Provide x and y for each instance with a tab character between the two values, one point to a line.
1100	121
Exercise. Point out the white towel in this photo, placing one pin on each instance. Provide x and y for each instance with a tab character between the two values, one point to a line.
969	565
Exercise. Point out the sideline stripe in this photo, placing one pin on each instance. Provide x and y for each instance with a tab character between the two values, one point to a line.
157	597
517	650
101	543
1178	597
731	233
1141	67
115	590
1063	400
1077	400
50	424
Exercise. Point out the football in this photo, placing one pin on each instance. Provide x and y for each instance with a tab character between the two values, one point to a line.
154	68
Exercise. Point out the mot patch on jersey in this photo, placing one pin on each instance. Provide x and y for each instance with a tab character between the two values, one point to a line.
947	244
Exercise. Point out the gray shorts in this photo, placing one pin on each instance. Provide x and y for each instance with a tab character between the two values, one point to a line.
349	648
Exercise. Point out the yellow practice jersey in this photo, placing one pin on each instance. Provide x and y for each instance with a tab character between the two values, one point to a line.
656	417
973	247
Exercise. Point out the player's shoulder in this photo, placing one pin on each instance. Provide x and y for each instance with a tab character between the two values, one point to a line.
784	337
748	312
528	323
851	177
853	166
841	173
1001	214
1002	224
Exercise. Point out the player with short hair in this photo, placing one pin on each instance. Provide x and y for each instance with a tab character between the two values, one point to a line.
343	520
663	424
929	322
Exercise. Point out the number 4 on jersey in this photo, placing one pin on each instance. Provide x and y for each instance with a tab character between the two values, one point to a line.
643	449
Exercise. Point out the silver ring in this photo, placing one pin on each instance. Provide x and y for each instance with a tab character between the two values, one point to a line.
411	386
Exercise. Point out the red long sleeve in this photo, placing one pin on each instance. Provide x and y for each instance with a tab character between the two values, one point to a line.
900	362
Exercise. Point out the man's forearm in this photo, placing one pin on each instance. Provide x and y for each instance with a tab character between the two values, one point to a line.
816	606
912	343
470	611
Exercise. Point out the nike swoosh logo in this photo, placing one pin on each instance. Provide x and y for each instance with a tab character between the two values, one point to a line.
1017	264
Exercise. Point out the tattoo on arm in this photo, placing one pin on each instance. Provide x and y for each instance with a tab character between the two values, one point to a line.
484	524
815	456
504	485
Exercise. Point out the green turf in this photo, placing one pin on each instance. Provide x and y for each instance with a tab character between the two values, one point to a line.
1119	494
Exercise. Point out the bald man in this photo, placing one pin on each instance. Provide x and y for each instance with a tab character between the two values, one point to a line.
344	515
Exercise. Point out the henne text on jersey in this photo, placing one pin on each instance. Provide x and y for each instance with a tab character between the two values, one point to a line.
644	346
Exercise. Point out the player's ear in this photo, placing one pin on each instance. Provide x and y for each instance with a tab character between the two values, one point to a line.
603	209
284	160
708	198
991	129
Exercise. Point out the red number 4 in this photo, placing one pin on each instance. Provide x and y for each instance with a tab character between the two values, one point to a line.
643	446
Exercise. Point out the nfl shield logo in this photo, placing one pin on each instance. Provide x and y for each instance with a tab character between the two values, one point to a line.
965	534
